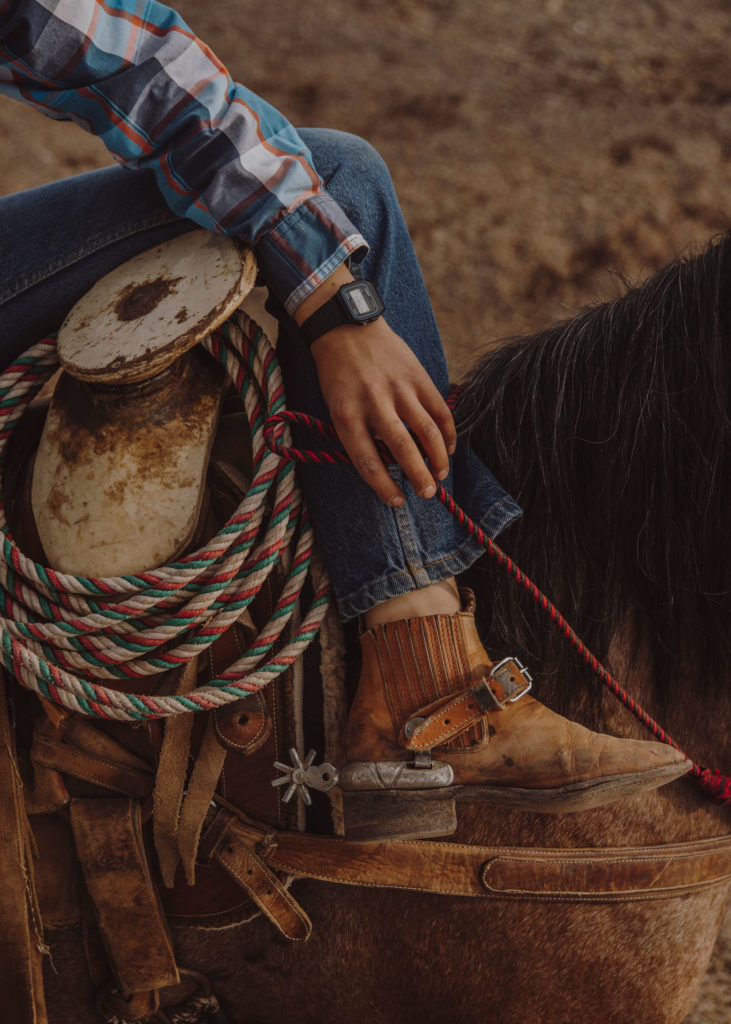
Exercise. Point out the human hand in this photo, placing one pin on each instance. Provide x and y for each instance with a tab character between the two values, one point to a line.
374	386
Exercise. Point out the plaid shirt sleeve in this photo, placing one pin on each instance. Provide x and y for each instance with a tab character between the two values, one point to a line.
133	73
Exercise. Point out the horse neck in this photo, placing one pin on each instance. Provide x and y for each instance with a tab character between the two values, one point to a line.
613	432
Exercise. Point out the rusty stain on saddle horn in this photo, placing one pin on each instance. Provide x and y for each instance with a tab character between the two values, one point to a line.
140	299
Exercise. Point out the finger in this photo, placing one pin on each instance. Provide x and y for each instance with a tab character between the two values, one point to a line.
406	453
429	436
358	443
441	414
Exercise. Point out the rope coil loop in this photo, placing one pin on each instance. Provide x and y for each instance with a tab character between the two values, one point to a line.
61	633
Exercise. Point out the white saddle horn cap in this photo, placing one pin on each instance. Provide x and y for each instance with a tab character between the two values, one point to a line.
144	314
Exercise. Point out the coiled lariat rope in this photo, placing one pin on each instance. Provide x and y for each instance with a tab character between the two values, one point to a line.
61	633
54	624
712	782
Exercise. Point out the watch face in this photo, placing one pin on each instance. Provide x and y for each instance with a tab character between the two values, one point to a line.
362	301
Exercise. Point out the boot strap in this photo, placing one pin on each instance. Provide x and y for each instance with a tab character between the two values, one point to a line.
440	722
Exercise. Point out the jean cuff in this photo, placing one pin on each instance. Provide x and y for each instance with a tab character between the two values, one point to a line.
395	584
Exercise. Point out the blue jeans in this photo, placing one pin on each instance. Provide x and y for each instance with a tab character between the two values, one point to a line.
57	240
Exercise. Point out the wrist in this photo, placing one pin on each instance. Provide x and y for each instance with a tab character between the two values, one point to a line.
322	294
355	303
345	336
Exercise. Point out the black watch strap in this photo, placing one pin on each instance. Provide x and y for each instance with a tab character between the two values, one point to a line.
356	302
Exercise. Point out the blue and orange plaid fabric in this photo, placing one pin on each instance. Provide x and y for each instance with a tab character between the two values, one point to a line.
133	73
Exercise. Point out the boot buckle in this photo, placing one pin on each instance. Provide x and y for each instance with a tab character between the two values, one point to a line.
513	677
507	672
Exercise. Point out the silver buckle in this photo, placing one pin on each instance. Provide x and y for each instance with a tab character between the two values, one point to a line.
505	677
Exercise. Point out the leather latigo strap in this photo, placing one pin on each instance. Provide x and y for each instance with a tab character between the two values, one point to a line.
263	886
623	874
110	765
108	835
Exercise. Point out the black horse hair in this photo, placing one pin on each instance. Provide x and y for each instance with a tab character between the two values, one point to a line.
613	432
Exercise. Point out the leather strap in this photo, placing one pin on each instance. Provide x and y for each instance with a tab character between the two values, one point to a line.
201	790
623	874
439	722
21	931
448	717
114	864
69	759
238	856
607	876
172	772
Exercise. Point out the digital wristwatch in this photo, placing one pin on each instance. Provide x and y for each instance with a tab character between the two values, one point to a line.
356	302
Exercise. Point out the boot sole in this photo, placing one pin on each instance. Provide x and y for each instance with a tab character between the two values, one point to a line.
381	815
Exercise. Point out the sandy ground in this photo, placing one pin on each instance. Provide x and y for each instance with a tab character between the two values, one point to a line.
543	150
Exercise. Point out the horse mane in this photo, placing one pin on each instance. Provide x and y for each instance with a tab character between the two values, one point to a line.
613	432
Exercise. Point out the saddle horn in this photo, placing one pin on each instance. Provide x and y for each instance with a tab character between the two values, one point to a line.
119	477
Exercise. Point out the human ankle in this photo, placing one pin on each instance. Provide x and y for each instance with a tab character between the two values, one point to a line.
437	599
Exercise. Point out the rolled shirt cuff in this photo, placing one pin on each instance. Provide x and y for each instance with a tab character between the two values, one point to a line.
304	247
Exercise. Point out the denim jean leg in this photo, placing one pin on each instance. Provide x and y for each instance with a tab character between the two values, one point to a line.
374	552
58	239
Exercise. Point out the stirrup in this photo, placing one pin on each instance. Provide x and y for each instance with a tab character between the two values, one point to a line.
386	800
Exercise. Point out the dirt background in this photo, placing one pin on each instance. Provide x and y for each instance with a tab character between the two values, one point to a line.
543	150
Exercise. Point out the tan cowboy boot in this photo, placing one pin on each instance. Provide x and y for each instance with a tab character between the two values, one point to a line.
428	686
